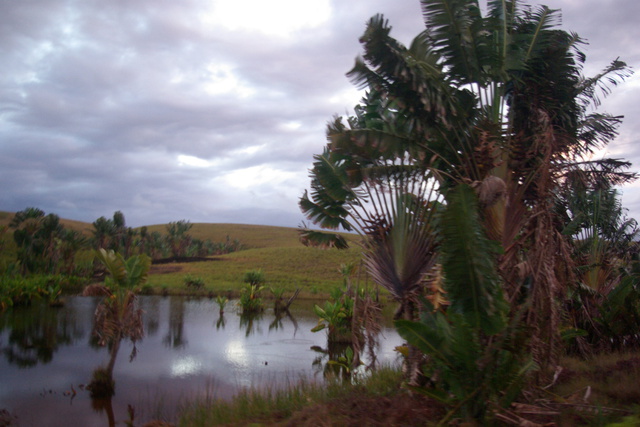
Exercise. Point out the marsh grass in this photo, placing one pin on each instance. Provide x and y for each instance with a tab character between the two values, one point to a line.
270	405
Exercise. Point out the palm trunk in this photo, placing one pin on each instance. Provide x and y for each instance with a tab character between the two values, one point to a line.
413	363
114	354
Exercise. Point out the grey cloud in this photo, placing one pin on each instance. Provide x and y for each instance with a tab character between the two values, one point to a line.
98	100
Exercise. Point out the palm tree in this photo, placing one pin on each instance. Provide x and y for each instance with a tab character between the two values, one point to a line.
381	191
178	237
497	101
477	360
103	232
118	316
604	304
68	245
36	235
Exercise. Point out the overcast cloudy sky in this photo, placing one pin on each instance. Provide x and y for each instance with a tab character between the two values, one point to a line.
211	110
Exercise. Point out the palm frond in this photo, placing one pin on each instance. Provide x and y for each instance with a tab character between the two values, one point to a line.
468	261
597	174
456	29
400	246
538	24
319	239
603	82
596	130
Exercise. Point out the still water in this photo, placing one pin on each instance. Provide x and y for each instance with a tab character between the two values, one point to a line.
47	356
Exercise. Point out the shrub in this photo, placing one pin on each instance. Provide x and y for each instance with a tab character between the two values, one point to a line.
195	282
250	300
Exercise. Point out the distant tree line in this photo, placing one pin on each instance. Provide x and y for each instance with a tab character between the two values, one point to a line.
44	246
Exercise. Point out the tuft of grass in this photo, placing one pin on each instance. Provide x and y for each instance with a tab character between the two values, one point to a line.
250	405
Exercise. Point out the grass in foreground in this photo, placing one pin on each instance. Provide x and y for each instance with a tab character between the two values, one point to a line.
609	380
377	398
381	400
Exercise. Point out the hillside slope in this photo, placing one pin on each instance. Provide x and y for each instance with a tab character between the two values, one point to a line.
277	251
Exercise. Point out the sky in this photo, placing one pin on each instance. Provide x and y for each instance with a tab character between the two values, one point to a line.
211	110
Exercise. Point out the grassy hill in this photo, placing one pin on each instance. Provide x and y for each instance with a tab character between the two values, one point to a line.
284	261
84	227
252	236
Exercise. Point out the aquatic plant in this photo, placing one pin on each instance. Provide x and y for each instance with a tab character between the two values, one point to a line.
250	300
221	300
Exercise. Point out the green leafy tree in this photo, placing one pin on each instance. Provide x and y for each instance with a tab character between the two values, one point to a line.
68	245
103	233
113	234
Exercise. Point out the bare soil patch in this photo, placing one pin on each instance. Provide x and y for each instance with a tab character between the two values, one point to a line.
172	264
165	269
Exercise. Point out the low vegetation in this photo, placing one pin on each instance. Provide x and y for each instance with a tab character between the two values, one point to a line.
274	250
600	391
375	400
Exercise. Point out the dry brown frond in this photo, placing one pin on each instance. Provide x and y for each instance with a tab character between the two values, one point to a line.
96	290
366	327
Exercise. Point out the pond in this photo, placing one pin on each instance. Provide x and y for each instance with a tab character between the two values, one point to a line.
48	356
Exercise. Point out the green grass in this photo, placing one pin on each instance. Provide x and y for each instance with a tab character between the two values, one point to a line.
252	236
277	251
612	377
314	271
285	262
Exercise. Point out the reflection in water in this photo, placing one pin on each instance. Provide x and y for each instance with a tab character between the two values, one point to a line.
236	354
36	334
185	366
220	351
332	362
106	406
175	335
152	317
250	322
221	321
276	324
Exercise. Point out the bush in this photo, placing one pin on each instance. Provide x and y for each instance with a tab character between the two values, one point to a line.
194	281
250	300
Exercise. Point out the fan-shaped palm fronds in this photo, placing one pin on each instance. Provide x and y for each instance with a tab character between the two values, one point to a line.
494	99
